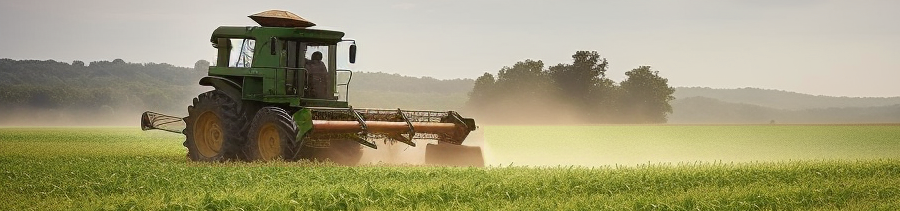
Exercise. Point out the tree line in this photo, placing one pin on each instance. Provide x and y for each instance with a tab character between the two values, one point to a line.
579	92
111	88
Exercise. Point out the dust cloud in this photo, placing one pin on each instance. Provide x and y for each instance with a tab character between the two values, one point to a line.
396	153
527	110
515	111
120	114
24	117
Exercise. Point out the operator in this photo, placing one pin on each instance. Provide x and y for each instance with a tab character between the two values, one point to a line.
317	76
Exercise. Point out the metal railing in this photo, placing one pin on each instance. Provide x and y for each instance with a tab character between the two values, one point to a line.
346	85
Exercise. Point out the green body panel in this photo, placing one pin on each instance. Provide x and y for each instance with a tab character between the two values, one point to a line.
303	119
267	77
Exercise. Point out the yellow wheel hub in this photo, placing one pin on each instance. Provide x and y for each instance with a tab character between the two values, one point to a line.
208	136
269	142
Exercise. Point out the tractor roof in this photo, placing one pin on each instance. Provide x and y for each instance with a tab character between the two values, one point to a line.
280	18
260	32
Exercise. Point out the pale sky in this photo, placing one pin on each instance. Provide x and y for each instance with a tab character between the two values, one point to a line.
824	47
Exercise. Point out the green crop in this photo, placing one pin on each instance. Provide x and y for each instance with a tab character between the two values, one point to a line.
124	168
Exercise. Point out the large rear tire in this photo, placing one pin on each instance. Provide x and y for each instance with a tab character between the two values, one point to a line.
271	135
213	129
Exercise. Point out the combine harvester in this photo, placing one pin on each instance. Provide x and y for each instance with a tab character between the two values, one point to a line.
278	96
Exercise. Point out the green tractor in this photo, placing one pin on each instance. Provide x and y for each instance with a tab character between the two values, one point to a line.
279	95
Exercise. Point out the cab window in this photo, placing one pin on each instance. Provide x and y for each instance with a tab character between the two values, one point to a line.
241	54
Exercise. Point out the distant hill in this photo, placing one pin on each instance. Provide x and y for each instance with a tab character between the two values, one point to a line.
761	106
115	92
705	110
782	99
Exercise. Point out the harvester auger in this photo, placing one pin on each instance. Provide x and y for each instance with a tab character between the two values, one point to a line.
278	96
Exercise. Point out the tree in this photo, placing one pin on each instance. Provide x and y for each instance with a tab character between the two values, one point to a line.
646	96
201	65
519	93
604	101
482	91
582	84
577	93
576	80
77	63
524	77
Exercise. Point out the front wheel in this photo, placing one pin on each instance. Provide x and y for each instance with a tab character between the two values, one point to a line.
213	127
271	135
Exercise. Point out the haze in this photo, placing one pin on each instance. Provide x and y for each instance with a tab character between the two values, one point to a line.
838	48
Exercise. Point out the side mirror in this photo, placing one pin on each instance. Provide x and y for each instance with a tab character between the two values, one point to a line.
353	54
272	43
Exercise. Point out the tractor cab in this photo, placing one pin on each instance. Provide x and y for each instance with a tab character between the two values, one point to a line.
283	65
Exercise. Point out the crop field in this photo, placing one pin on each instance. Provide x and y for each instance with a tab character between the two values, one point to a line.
631	145
533	168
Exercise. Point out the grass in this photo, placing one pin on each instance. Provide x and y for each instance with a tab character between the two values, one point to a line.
124	169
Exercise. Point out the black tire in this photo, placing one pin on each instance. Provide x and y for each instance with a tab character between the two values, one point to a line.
271	136
213	127
341	151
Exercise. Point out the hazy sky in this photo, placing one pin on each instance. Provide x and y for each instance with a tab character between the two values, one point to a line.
839	48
